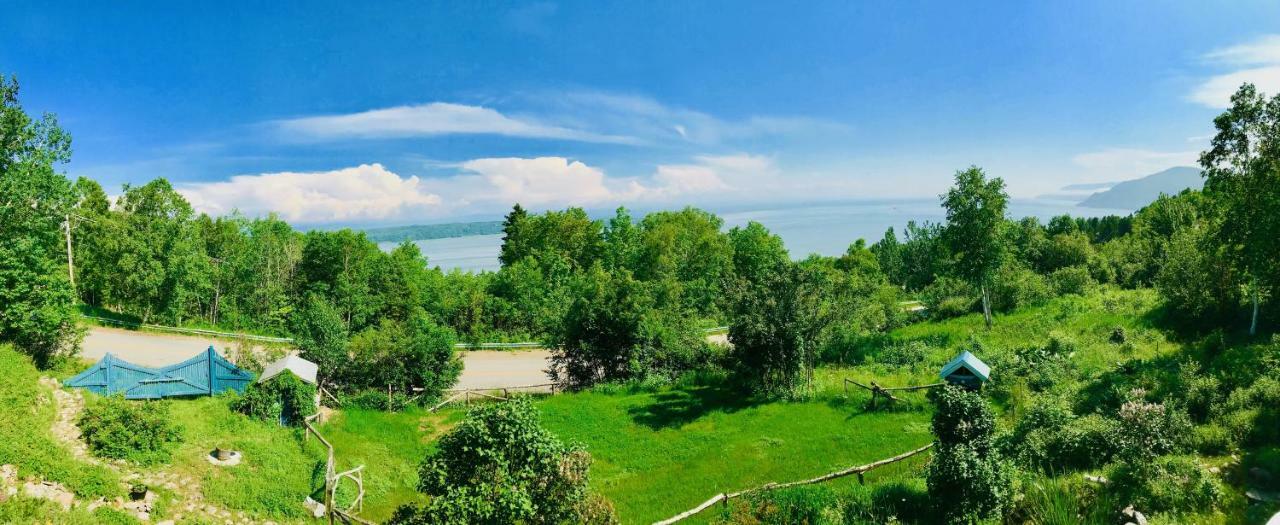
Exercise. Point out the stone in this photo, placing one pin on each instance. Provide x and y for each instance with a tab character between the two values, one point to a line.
317	509
1134	516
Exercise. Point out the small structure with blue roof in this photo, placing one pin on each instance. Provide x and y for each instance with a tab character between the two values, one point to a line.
205	374
966	370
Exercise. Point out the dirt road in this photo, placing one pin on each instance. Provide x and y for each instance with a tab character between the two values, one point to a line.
481	368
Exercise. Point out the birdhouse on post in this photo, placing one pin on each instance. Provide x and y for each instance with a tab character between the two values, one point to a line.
967	371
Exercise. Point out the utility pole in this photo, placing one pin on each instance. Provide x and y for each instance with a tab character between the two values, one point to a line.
71	265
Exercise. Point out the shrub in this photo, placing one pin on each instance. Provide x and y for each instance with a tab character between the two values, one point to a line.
1072	280
1166	484
967	478
415	354
1212	440
1050	437
1017	286
907	353
501	466
1148	430
139	431
283	398
375	400
949	297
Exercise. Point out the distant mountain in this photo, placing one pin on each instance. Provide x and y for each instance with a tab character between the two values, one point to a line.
1076	193
1134	194
421	232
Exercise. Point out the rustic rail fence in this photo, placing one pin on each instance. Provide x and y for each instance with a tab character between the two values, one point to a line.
886	392
859	470
332	478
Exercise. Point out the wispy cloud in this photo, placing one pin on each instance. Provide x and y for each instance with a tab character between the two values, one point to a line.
1257	61
436	118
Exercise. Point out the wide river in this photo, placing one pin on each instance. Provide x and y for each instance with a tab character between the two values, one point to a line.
826	229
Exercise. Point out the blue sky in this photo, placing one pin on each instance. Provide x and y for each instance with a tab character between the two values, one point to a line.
390	112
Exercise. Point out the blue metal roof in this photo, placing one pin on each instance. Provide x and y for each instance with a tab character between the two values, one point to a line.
205	374
969	361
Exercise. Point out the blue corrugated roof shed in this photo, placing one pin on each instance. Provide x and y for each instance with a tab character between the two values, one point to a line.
205	374
971	363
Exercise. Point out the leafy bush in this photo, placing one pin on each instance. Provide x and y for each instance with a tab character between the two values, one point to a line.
139	431
375	400
967	478
1253	412
1016	286
906	353
1166	484
283	398
416	354
1212	440
1050	437
1148	430
1072	280
501	466
949	297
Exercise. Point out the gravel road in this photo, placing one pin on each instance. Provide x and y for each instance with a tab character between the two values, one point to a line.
481	368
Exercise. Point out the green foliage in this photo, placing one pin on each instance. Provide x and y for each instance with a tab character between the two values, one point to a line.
414	356
1166	484
975	228
501	466
968	480
949	297
139	431
615	331
1072	280
1016	286
321	336
1148	430
36	299
283	398
777	322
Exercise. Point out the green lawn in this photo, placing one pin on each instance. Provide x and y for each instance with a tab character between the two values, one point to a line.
658	453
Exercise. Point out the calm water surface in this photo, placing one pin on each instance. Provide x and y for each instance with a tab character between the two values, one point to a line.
825	229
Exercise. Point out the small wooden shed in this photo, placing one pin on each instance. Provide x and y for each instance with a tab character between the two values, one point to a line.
966	370
305	371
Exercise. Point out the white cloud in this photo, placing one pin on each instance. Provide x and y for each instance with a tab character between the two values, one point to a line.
538	181
1257	62
365	192
1124	163
436	118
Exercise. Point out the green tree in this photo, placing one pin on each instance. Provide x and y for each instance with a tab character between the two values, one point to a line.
889	253
614	331
36	300
621	241
1242	173
162	267
686	247
513	238
321	336
500	466
975	220
756	251
777	321
414	356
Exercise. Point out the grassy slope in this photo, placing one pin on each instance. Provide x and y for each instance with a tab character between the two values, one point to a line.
27	413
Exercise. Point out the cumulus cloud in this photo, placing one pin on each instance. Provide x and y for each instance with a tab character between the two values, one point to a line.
1118	163
1257	62
436	118
538	181
362	193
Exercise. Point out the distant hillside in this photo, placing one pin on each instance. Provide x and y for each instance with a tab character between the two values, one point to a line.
421	232
1134	194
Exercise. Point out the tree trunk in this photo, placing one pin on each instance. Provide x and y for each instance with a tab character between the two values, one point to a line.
1253	324
986	306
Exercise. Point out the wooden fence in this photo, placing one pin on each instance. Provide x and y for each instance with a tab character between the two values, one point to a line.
858	470
332	478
